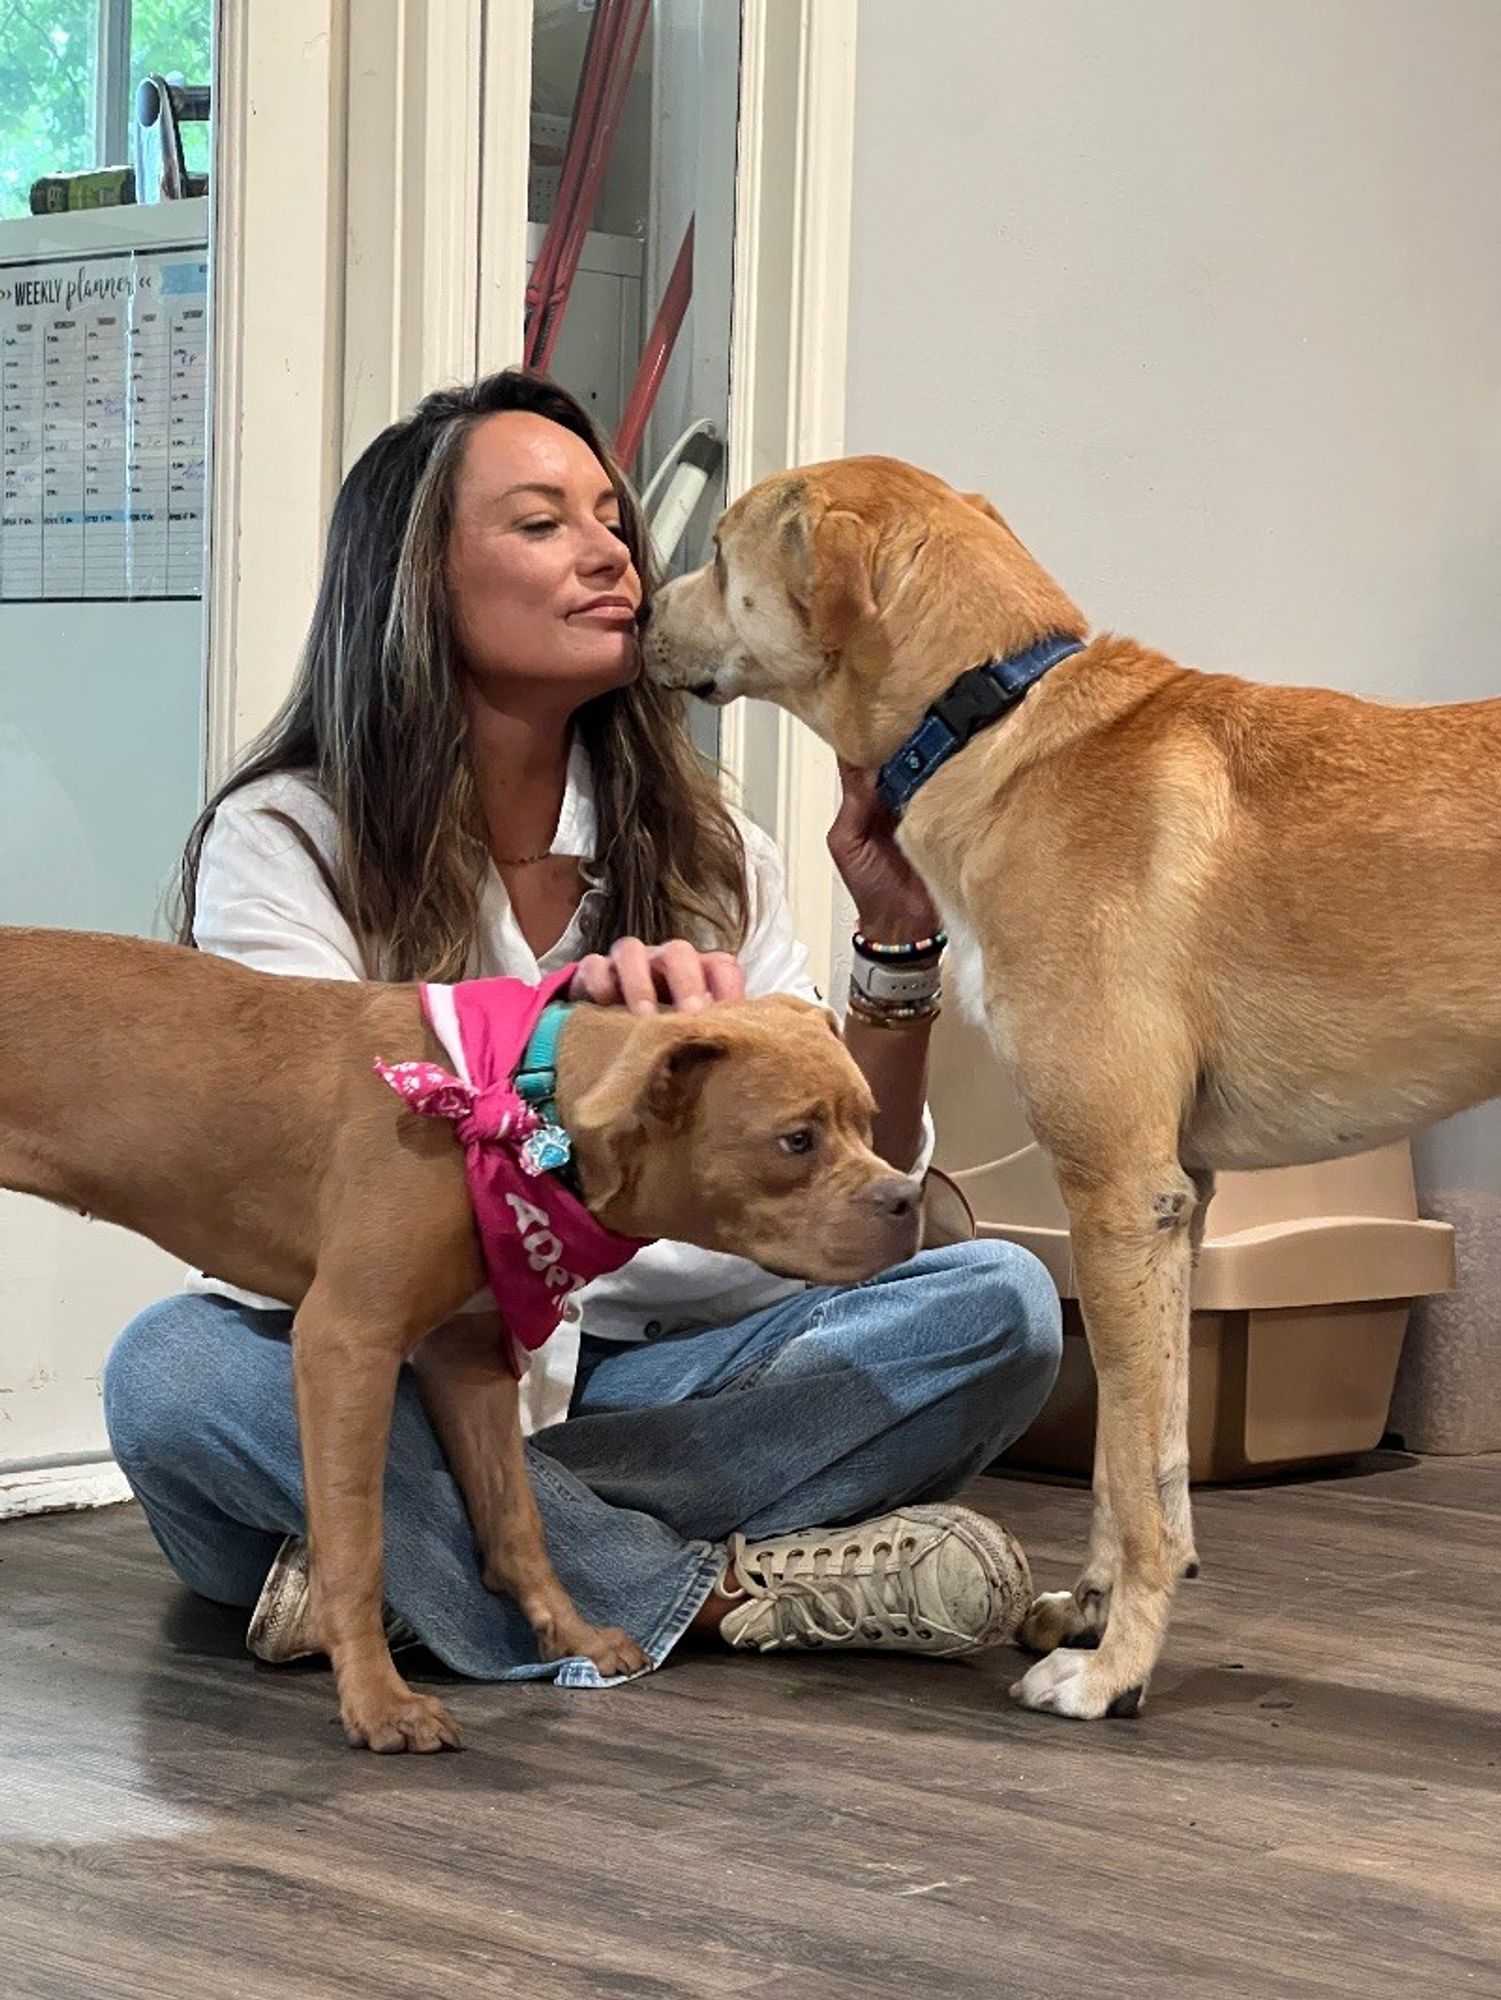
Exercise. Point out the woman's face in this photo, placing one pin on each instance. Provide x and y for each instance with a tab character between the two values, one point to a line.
542	587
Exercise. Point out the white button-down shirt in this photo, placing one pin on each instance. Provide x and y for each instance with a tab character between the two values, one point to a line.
263	901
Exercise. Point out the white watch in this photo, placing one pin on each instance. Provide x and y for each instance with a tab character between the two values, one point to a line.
894	985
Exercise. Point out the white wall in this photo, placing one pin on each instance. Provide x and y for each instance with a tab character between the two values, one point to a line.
1206	295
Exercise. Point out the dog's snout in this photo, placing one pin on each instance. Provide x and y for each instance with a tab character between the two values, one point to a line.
896	1199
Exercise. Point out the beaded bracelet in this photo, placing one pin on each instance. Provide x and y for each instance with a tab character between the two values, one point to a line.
903	1016
928	947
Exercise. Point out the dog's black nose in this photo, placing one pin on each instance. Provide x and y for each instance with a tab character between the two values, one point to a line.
896	1199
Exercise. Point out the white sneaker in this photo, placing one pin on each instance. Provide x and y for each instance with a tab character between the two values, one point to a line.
279	1624
939	1580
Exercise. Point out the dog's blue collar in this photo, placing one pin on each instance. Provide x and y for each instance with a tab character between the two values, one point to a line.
975	699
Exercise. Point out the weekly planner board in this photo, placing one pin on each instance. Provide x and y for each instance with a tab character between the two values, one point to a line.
103	416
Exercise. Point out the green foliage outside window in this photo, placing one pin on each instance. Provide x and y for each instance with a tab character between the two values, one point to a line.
48	52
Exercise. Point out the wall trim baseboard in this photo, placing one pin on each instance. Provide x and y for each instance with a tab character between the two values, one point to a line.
62	1486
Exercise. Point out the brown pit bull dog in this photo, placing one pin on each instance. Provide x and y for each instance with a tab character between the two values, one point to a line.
1209	924
236	1120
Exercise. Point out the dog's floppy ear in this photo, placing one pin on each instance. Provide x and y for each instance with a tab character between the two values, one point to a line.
651	1086
657	1076
674	1080
831	572
982	506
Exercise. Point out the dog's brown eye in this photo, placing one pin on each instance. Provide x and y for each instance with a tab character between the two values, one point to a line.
800	1141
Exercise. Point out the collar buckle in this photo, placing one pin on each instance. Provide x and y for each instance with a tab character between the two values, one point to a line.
975	698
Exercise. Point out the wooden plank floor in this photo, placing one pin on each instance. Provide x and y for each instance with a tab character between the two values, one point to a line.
1311	1803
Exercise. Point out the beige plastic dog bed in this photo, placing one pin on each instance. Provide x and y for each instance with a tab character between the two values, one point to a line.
1300	1299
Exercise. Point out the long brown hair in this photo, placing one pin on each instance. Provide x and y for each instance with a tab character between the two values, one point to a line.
376	721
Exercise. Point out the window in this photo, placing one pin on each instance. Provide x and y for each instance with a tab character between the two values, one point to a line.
54	54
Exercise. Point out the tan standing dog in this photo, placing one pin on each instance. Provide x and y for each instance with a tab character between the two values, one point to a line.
1209	924
235	1119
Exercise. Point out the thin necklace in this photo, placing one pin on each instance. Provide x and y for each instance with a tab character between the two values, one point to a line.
521	860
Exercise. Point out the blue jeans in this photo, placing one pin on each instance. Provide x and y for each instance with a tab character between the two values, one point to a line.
836	1404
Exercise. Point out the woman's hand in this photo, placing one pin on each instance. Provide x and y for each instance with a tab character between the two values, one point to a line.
638	975
890	900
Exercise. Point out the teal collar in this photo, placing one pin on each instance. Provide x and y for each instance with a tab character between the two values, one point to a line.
549	1148
537	1078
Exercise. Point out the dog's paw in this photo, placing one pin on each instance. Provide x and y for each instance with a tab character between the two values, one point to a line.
614	1652
1075	1684
1066	1618
1053	1620
398	1722
566	1636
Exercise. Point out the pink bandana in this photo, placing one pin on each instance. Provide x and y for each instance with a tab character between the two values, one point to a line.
538	1241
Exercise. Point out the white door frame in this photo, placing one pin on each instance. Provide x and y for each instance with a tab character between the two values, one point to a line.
787	381
278	324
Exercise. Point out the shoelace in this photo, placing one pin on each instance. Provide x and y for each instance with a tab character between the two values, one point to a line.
824	1605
